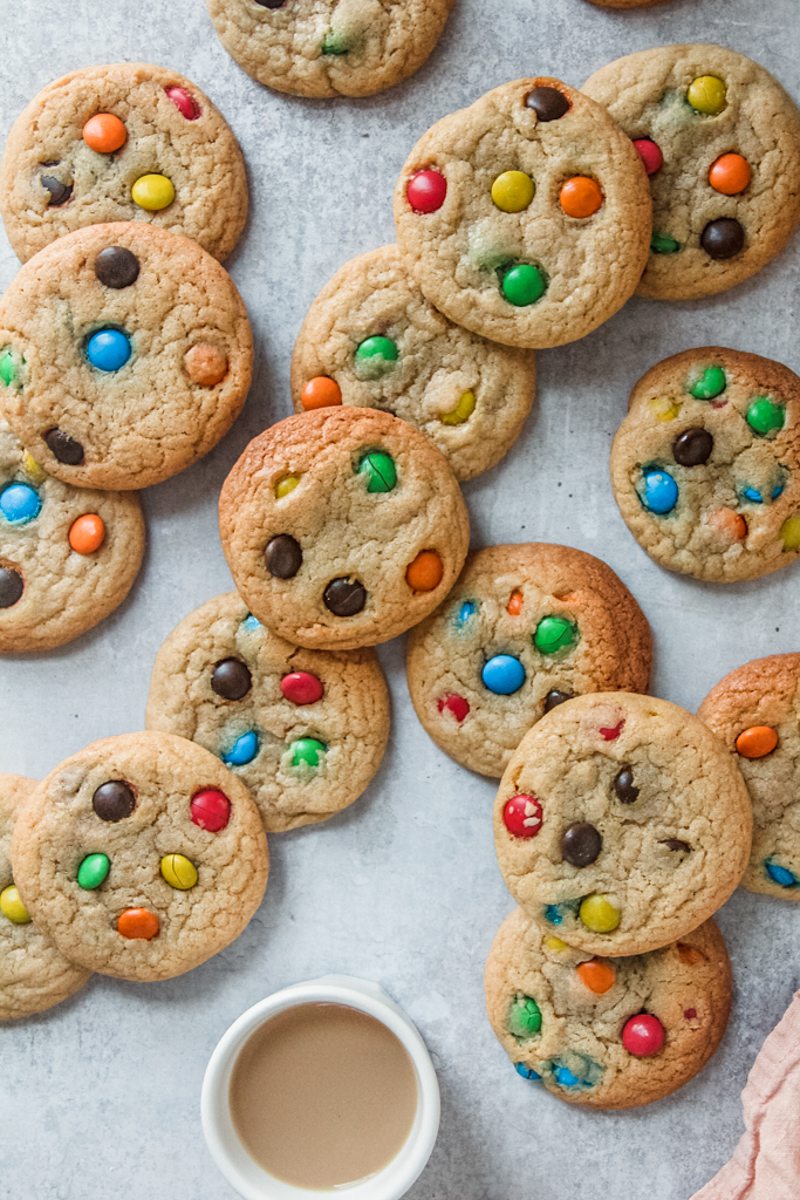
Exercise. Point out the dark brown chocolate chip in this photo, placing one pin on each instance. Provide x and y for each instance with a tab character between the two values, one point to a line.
693	447
623	786
60	192
580	844
554	697
231	679
114	800
283	556
345	597
548	103
64	448
116	267
271	3
675	844
722	238
11	587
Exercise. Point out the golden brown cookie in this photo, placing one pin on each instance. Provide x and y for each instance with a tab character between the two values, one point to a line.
607	1032
342	527
525	628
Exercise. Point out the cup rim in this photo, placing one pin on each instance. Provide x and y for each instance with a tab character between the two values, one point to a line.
231	1157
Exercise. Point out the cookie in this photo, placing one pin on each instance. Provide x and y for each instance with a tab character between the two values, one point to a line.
140	856
705	467
525	628
720	141
305	730
123	142
342	527
372	339
125	355
34	975
525	217
621	823
68	556
755	711
607	1032
321	48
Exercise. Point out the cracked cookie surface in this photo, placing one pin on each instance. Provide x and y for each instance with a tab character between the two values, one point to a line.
606	1032
525	217
125	355
63	168
525	628
755	711
305	730
320	48
34	975
371	339
720	139
68	556
621	823
705	467
140	856
342	527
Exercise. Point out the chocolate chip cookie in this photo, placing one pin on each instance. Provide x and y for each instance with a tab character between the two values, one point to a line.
68	556
123	142
720	141
525	628
525	217
755	711
140	856
323	48
706	465
372	339
33	974
304	729
607	1032
125	355
621	823
342	527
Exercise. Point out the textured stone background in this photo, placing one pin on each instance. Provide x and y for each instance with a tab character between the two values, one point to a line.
102	1096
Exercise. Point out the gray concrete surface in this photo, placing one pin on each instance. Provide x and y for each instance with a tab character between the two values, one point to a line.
101	1098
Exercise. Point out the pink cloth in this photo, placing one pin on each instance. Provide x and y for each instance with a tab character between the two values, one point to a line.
766	1163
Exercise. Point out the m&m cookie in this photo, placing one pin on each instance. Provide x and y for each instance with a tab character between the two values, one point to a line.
140	856
720	141
68	556
621	823
705	466
525	217
126	142
34	975
755	711
525	628
372	339
323	48
607	1032
125	355
342	527
304	729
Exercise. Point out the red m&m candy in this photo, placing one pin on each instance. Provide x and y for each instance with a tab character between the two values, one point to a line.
522	815
643	1035
426	191
184	101
457	705
210	809
650	154
301	687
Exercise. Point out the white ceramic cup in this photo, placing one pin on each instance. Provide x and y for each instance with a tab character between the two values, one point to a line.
249	1178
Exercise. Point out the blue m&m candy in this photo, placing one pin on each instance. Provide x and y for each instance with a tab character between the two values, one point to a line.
108	349
466	610
659	491
503	674
526	1072
781	875
20	503
565	1077
755	496
243	750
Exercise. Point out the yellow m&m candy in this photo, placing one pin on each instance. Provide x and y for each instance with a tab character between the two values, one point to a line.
12	907
790	532
153	192
513	191
286	485
462	411
599	914
707	94
179	872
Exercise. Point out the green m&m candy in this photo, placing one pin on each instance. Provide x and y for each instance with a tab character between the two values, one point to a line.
765	416
307	751
662	243
523	284
524	1017
554	634
93	871
335	43
376	355
378	468
8	368
711	383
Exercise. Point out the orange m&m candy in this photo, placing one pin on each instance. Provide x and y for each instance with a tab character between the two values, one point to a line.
580	196
729	524
104	133
729	174
87	533
597	975
138	923
756	742
320	392
425	572
514	606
